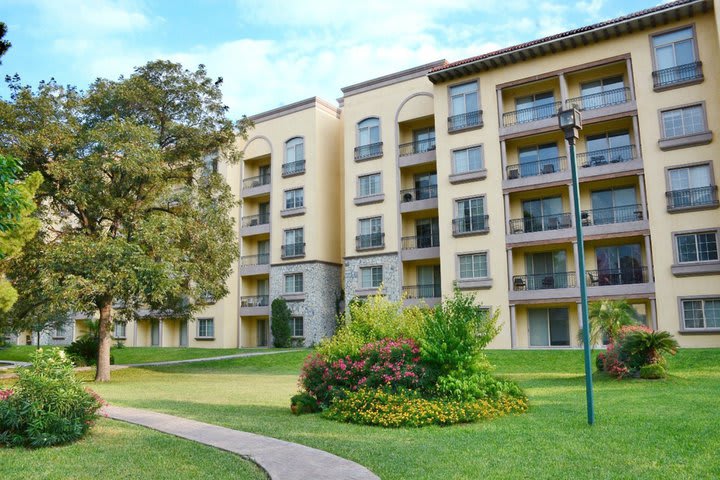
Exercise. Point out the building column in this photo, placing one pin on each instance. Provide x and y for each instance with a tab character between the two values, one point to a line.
653	314
503	158
648	259
563	89
506	200
572	205
643	199
636	134
577	264
160	333
500	106
579	314
631	83
135	330
510	268
513	328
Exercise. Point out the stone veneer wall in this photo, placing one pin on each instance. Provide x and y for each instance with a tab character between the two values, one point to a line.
321	282
392	274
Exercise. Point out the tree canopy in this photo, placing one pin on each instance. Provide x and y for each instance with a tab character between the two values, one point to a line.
4	44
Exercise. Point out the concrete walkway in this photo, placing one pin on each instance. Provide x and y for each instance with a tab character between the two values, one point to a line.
280	459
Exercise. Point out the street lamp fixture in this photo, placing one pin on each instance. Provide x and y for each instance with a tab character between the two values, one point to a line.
570	122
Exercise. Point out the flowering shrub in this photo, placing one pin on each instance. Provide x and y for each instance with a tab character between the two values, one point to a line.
5	394
406	408
636	347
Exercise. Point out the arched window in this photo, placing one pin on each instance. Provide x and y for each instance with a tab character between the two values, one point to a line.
294	150
369	131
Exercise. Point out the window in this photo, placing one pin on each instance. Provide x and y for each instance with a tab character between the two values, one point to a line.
423	139
294	156
473	265
369	131
675	58
470	216
296	326
294	283
697	247
468	160
600	93
294	243
549	327
370	233
371	277
683	121
535	107
691	187
542	214
614	205
701	313
294	198
546	270
426	186
618	265
427	233
464	106
610	147
539	160
120	329
369	185
206	327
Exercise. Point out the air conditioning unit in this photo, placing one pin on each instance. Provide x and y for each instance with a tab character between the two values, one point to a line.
513	174
408	197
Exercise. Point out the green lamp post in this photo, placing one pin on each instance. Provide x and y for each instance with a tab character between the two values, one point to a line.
570	122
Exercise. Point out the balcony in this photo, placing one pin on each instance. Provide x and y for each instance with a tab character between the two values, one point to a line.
421	247
257	305
518	122
371	241
256	186
619	281
255	264
472	225
680	75
293	168
539	172
430	294
541	228
255	224
418	152
623	219
368	152
544	287
418	199
692	199
465	121
292	250
597	105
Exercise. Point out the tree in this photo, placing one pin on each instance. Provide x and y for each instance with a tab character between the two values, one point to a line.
606	319
280	316
133	217
4	44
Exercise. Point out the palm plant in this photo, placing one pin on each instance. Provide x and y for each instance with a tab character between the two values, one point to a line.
646	348
607	317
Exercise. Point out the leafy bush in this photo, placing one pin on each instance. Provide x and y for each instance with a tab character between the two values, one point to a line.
653	371
600	362
635	347
406	408
304	403
84	351
280	323
48	406
607	317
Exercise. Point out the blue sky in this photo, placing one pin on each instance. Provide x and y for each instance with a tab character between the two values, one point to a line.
275	52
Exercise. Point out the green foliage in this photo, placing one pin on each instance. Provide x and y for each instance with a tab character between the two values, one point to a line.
607	317
648	347
653	371
4	44
49	405
280	316
84	351
304	403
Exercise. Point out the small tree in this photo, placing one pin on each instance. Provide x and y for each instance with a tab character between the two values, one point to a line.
607	317
280	323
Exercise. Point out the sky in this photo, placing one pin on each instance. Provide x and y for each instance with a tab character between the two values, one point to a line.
272	52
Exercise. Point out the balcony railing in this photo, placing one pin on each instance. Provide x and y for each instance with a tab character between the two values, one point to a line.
254	220
617	276
616	96
539	167
692	197
255	301
464	120
418	146
293	168
606	156
471	224
556	221
292	250
432	290
368	151
421	241
544	281
258	181
605	216
259	259
525	115
679	74
419	193
371	240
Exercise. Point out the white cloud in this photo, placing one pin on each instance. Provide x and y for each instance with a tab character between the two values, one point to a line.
79	17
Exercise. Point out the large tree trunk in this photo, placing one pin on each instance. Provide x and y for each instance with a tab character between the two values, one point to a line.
103	364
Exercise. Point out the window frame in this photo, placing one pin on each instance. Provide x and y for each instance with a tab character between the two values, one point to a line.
687	139
453	166
295	276
368	175
358	128
116	324
681	314
459	257
301	140
293	325
700	267
668	185
372	269
451	112
293	191
653	58
381	232
211	322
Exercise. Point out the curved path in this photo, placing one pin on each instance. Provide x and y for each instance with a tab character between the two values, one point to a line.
280	459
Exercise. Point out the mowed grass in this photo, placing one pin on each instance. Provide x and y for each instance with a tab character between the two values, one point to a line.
644	429
116	450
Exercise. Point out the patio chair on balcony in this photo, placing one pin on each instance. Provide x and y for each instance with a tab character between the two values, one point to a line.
548	282
408	197
519	283
594	280
513	174
548	168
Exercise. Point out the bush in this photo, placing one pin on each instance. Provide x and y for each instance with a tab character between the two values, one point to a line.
48	406
600	362
84	351
280	323
304	403
635	347
653	371
406	408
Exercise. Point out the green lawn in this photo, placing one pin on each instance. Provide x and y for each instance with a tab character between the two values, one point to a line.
116	450
644	429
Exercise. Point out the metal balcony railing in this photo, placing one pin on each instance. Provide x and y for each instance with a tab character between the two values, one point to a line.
678	74
539	167
421	241
432	290
259	259
556	221
254	220
471	224
608	155
525	115
368	151
255	301
593	101
617	276
258	181
464	120
692	197
371	240
419	193
418	146
544	281
605	216
292	250
293	168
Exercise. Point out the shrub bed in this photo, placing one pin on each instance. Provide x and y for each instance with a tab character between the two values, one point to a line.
637	351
